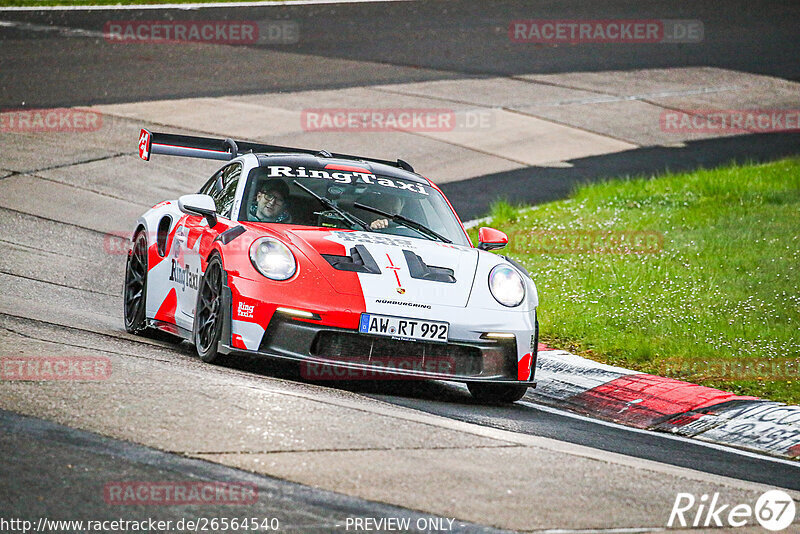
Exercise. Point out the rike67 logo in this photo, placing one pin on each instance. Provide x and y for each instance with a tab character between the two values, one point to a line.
774	510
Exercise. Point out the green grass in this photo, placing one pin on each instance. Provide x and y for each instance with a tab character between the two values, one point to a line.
37	3
723	290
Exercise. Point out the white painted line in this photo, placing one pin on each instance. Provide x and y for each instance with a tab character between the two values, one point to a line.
484	220
73	32
475	222
601	99
206	5
642	97
695	441
387	408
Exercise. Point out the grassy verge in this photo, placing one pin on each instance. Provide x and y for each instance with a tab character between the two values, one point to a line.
694	276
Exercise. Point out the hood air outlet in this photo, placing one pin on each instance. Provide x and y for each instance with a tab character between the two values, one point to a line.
359	261
420	271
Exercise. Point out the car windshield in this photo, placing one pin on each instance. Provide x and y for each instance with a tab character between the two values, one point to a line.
276	194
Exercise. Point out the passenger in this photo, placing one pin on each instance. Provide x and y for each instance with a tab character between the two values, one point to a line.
388	203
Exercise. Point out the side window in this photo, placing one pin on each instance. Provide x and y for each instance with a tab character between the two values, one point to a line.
225	195
208	187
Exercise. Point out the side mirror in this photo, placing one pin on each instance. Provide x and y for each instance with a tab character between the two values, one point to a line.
490	239
202	205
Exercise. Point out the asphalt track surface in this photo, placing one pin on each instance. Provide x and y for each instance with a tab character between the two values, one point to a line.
79	463
382	43
387	41
45	64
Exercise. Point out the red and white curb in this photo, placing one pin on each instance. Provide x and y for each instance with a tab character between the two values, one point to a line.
652	402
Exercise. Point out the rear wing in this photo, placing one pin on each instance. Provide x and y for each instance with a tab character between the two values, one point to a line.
226	149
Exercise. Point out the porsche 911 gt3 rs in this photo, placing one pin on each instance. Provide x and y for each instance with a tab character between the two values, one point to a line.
336	261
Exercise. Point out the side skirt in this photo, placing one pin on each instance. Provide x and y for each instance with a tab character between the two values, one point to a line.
170	328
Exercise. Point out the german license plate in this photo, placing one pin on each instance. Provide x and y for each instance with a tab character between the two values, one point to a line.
402	327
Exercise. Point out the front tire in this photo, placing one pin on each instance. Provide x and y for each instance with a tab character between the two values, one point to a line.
208	315
135	291
496	393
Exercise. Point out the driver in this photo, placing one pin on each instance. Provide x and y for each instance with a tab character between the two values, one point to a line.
271	202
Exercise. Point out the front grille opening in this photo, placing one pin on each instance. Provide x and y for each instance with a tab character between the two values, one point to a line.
439	358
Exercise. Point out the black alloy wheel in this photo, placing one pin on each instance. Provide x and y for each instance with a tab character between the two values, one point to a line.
208	314
135	291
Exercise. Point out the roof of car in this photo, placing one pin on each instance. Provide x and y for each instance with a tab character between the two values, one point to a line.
320	162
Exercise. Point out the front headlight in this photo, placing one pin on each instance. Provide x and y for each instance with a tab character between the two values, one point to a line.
272	258
507	286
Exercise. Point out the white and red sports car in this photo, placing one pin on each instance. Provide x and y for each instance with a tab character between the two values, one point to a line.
337	261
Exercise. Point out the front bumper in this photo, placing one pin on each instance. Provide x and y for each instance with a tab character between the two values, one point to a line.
337	353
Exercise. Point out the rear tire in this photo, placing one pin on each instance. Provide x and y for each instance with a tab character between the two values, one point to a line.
496	393
208	313
135	290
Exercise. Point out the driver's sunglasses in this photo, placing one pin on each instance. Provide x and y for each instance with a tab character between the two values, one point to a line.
271	198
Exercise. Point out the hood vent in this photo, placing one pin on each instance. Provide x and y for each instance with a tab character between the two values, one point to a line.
420	271
359	261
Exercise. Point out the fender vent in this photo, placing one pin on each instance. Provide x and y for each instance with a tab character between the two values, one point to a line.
359	261
163	234
419	270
